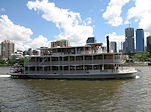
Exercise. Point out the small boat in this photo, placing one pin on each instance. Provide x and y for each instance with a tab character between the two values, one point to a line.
16	69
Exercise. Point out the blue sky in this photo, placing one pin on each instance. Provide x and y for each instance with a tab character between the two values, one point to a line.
35	23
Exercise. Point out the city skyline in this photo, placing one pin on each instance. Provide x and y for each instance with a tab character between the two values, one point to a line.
37	23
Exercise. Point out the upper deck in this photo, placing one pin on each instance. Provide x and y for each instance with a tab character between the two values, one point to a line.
89	54
94	48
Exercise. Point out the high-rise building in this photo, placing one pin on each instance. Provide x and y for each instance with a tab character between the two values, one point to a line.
114	46
139	40
7	48
0	50
149	43
60	43
128	45
91	40
129	32
124	48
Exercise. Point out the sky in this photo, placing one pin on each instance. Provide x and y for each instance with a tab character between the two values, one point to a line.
35	23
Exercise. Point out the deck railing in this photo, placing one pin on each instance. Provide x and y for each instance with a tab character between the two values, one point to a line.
120	69
76	53
106	61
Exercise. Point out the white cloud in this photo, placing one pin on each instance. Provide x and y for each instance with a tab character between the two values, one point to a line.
2	10
116	38
74	29
10	31
20	35
39	42
113	12
141	12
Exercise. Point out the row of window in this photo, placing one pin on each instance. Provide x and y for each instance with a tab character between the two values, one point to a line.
73	58
81	67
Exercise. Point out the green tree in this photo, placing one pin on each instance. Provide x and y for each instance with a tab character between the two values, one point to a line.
2	62
141	56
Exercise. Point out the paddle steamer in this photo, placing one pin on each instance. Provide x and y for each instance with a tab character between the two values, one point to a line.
80	62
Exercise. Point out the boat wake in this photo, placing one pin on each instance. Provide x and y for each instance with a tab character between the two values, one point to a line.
137	77
1	76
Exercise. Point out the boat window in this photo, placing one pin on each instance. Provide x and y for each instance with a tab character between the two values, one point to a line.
96	67
60	58
32	68
39	69
72	58
66	67
40	59
88	57
26	68
117	56
108	66
79	58
47	68
72	67
32	59
88	67
60	67
54	68
108	56
79	50
46	59
65	58
97	57
79	67
54	58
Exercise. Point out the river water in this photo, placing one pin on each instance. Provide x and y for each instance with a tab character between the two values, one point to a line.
27	95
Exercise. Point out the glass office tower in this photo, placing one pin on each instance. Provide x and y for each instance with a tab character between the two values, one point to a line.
139	40
128	45
149	44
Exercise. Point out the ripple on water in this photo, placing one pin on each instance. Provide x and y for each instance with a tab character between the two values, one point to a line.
130	95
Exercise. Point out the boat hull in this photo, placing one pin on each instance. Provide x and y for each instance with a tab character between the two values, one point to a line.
76	76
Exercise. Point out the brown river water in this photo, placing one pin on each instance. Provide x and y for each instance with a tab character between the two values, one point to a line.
32	95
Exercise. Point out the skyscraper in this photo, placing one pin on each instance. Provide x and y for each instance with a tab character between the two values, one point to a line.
139	40
91	40
0	50
114	46
7	48
149	43
129	32
129	40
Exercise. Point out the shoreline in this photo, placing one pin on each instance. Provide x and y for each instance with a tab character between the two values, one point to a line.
137	64
5	65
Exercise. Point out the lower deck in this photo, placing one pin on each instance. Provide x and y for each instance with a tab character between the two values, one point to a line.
68	69
92	76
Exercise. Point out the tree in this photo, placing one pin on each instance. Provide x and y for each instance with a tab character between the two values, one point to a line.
141	56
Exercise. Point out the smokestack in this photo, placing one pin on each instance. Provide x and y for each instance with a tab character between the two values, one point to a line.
108	48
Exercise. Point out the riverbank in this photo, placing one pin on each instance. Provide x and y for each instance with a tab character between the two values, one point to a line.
5	65
136	64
